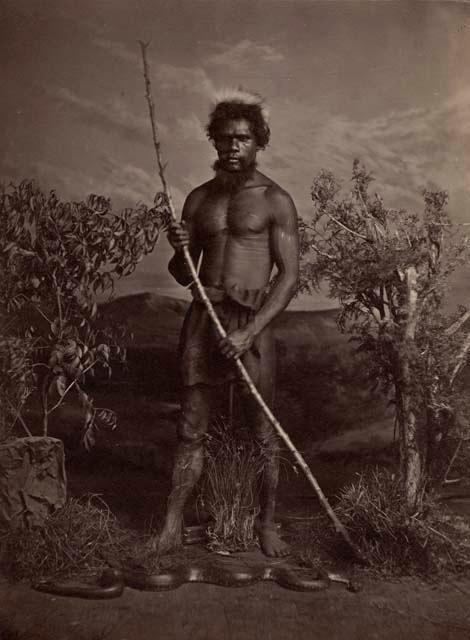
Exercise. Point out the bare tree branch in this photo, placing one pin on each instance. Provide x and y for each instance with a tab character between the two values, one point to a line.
343	226
460	359
455	326
320	252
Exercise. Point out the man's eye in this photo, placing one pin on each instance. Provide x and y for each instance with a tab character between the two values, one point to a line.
224	140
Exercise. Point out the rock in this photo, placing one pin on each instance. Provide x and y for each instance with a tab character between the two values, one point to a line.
32	480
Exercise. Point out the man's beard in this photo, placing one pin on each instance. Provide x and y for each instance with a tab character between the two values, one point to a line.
231	181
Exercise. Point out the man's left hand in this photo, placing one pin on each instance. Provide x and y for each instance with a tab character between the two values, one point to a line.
237	342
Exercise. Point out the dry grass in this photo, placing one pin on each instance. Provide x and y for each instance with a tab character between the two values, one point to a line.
432	543
394	542
228	491
82	537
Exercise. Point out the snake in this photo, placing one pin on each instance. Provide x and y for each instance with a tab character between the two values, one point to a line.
112	581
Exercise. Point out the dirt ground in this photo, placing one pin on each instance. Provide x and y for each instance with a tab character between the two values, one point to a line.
387	611
131	470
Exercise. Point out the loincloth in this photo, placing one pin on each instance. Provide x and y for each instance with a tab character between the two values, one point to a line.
201	361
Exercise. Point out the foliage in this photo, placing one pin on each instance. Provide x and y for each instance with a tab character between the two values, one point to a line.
388	268
394	541
16	383
55	259
233	464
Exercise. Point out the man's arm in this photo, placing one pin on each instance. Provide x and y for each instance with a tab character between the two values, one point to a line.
184	234
284	246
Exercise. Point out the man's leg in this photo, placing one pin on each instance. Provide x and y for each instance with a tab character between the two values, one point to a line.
268	440
195	413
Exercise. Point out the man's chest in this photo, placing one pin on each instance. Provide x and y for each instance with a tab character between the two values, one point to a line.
244	214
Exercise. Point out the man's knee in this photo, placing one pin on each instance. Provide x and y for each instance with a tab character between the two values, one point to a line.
265	434
194	418
266	437
190	433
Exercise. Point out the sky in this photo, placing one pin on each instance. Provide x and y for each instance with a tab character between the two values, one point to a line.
386	82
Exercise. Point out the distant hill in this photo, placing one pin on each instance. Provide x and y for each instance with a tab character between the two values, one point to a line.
156	320
320	385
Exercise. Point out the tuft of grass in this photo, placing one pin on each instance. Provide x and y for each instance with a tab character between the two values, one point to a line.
394	542
229	487
82	537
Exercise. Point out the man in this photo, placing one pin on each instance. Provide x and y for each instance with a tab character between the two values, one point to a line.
243	224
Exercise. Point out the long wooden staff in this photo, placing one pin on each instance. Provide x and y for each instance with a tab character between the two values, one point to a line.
339	527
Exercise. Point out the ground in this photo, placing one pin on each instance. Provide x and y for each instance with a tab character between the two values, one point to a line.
131	470
387	611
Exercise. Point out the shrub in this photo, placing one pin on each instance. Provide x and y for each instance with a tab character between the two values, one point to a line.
55	259
389	270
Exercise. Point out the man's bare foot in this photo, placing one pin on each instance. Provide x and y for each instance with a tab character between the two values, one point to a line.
271	543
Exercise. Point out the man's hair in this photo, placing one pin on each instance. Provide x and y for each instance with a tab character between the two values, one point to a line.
238	104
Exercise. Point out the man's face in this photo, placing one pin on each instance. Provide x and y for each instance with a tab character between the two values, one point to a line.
235	145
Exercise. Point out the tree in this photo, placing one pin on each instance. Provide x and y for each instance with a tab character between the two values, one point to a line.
55	259
16	383
388	268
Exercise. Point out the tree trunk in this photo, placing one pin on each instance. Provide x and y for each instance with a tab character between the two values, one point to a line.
411	453
413	462
412	445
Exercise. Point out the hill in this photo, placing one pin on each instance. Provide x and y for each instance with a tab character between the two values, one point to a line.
154	320
321	386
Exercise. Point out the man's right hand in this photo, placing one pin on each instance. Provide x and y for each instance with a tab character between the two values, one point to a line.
178	236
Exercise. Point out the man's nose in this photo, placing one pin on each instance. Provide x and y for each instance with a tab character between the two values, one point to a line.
233	143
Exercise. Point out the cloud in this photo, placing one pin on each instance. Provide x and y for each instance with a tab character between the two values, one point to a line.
125	184
133	184
406	150
118	50
128	181
191	128
114	113
191	79
187	79
243	54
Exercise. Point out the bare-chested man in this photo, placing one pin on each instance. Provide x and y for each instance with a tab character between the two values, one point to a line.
243	224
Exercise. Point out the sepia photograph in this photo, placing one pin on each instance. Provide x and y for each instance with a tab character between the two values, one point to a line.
234	319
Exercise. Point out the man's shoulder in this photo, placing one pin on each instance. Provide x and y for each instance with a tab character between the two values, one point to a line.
272	188
196	197
279	199
200	191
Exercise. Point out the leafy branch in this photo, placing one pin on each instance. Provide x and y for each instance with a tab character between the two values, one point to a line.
56	258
